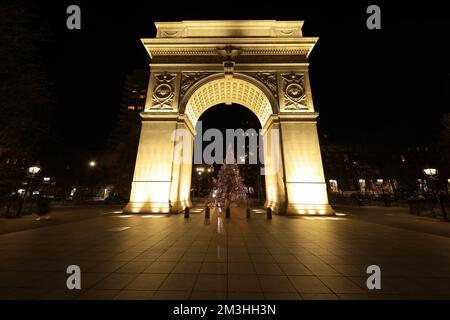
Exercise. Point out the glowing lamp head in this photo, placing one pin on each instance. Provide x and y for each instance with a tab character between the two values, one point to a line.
430	172
92	164
34	170
46	179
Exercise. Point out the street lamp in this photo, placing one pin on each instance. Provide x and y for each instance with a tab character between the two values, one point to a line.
32	172
91	184
432	174
380	181
200	171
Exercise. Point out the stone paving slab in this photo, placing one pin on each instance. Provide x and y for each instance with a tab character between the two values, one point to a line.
170	257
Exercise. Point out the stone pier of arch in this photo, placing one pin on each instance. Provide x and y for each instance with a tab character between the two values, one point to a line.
261	65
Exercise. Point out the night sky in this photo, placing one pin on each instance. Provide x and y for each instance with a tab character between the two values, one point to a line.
370	86
213	118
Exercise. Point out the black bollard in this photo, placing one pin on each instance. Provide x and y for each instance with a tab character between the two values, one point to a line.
227	213
207	212
248	213
186	212
269	213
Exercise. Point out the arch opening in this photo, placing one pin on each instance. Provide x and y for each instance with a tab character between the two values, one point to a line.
228	91
248	150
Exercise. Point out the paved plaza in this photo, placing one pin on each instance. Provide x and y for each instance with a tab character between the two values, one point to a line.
170	257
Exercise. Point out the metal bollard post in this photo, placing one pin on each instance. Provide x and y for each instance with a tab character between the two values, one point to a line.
207	212
269	213
186	212
227	213
248	213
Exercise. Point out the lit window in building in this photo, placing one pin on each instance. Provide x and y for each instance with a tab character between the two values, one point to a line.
139	108
130	107
142	96
333	185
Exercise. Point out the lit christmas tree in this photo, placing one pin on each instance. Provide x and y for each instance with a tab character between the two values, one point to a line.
230	185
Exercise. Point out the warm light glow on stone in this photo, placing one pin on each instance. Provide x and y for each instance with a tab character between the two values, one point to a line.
228	91
279	94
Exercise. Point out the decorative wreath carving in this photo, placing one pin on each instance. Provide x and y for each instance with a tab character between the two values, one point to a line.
163	93
294	91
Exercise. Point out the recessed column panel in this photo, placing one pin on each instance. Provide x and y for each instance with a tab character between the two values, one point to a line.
150	190
304	177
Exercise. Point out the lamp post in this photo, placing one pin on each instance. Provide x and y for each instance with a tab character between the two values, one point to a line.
200	171
32	172
92	164
381	182
432	174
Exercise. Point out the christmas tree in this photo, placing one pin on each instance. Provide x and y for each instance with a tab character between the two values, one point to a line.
230	185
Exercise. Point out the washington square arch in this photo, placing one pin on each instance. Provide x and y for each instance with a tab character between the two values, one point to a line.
261	65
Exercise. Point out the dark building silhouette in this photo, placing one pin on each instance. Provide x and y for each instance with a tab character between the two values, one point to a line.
124	139
375	170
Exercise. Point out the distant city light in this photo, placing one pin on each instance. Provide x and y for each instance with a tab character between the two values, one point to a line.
34	170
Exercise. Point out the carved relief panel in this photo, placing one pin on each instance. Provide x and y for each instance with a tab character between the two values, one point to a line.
294	91
269	79
189	78
163	92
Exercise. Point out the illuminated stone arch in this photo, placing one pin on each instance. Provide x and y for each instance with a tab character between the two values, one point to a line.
261	65
240	89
